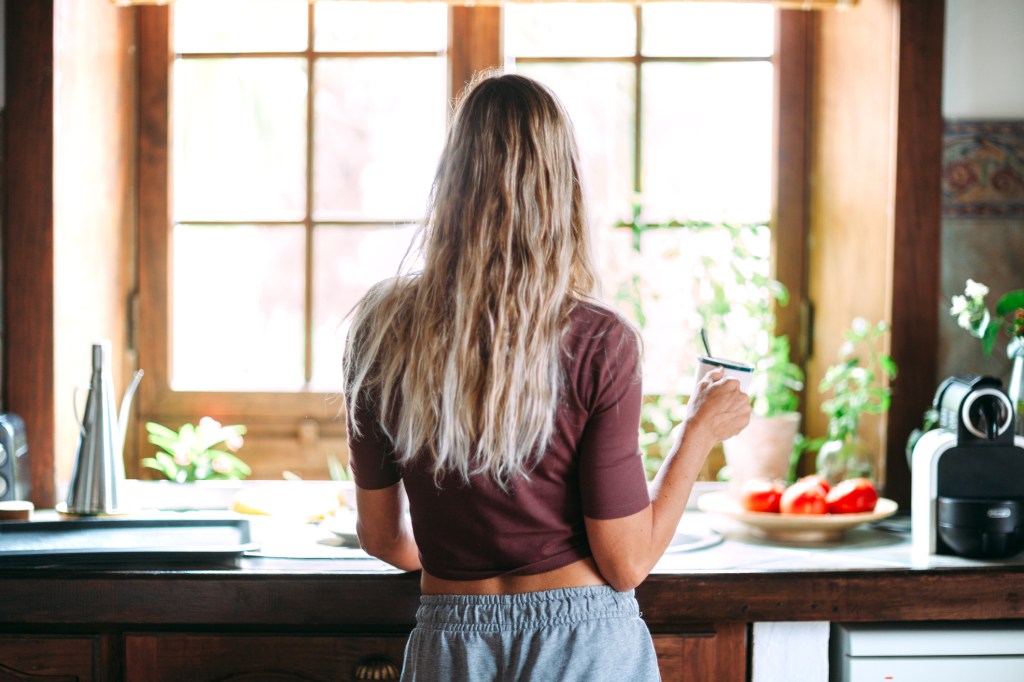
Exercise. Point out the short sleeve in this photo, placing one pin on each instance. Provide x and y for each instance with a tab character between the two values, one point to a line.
371	455
613	483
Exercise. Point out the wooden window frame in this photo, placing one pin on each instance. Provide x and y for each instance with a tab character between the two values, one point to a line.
300	419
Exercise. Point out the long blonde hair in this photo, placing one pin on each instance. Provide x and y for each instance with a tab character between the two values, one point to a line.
462	358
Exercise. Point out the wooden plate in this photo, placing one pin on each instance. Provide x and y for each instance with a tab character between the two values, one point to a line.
793	527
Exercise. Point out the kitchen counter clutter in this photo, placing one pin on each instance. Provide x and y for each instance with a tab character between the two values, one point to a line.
304	600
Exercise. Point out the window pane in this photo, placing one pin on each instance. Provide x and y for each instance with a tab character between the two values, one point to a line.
707	141
347	261
378	133
239	139
238	308
240	25
599	99
708	30
352	26
570	30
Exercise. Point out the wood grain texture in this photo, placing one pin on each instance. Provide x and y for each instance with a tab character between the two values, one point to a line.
29	321
385	603
154	216
176	657
789	212
715	652
94	204
49	658
874	204
479	43
917	239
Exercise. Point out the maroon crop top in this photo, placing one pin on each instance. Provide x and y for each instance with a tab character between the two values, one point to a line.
592	467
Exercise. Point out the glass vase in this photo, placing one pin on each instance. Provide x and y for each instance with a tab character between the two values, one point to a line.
844	458
1015	389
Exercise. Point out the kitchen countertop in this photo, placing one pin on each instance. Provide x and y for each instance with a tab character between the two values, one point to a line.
869	576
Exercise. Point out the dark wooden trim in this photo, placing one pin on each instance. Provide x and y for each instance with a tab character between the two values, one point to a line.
916	263
479	46
304	598
28	226
789	193
154	55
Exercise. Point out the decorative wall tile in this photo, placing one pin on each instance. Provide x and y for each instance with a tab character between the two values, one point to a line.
983	169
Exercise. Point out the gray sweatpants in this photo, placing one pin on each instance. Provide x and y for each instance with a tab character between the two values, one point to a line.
590	634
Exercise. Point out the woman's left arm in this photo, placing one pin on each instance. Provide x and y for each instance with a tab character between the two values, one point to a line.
384	528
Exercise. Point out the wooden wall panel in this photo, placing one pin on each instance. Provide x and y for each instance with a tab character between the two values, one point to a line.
93	170
68	225
917	253
874	240
28	234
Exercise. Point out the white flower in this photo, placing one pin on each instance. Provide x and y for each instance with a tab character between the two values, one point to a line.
959	306
975	290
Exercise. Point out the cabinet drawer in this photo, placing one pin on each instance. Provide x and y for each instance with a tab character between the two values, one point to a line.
54	658
269	658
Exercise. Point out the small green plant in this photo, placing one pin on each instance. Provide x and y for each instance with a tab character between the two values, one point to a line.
973	315
192	454
856	380
857	386
777	382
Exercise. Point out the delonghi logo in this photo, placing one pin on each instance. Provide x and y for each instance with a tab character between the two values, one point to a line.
999	513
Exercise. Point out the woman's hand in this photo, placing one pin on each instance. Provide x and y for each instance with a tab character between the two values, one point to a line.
717	409
626	549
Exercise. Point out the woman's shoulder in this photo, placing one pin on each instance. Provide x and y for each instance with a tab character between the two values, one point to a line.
594	320
594	315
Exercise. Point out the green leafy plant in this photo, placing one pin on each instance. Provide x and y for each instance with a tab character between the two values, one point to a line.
973	315
856	381
857	384
777	382
743	297
736	298
197	452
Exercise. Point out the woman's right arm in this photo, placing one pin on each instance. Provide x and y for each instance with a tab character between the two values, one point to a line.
626	549
383	527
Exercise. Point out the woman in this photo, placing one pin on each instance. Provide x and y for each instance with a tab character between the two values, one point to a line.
506	403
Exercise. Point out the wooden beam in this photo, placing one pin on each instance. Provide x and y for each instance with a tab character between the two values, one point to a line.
28	352
479	31
917	231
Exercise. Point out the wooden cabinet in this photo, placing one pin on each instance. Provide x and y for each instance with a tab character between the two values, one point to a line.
705	653
50	658
716	652
702	653
191	657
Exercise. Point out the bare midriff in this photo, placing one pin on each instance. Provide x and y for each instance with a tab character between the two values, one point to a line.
579	574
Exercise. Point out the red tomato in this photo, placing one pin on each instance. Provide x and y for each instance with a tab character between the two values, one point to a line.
760	495
852	496
803	497
819	479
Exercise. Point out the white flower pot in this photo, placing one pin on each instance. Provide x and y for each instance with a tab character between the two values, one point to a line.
762	449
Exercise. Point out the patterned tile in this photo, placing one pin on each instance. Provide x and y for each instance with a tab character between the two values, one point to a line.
983	169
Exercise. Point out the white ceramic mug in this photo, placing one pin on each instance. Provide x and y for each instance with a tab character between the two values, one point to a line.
741	371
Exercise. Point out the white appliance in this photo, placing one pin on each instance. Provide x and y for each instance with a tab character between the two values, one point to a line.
927	652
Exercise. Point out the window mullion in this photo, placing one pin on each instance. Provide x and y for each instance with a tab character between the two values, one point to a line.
308	219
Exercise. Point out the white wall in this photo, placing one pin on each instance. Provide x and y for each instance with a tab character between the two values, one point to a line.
984	59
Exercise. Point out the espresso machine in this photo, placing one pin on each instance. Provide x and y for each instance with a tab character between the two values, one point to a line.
967	475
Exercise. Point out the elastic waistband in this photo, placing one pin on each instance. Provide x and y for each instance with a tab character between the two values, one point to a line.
496	612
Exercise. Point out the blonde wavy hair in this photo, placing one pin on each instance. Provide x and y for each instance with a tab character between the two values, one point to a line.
462	358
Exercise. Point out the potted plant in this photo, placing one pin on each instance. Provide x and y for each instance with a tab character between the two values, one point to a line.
973	315
859	386
742	307
198	464
764	449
